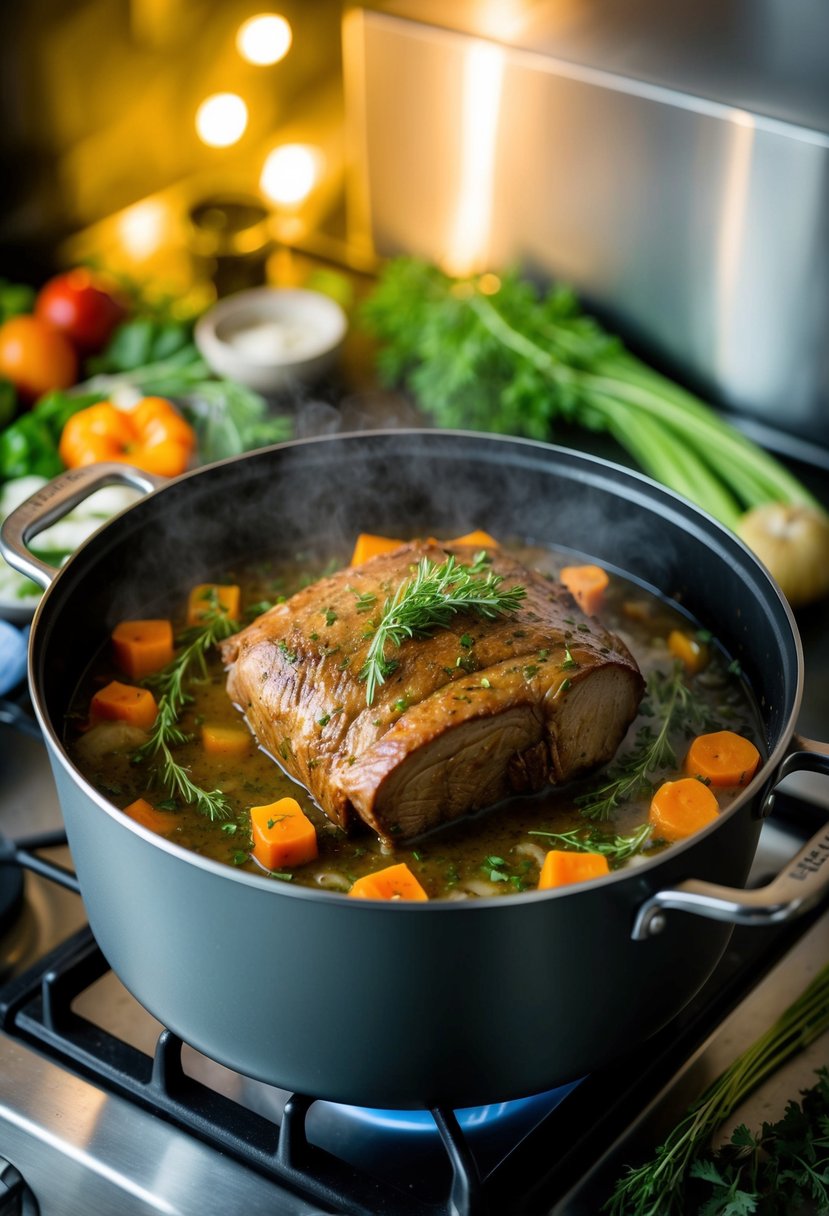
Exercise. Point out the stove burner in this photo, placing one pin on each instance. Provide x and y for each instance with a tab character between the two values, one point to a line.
385	1142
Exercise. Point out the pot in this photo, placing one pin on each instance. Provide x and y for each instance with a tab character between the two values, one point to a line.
411	1004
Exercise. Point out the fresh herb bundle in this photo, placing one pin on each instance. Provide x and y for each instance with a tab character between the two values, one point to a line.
492	353
166	733
658	1187
429	601
779	1171
670	701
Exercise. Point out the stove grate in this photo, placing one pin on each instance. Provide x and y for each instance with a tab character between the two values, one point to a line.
37	1007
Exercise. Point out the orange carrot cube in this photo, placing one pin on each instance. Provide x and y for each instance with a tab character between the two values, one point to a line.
142	647
206	598
692	653
282	835
394	882
587	585
479	539
562	867
368	545
225	740
148	816
125	703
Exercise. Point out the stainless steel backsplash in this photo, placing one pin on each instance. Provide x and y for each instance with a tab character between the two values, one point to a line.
674	169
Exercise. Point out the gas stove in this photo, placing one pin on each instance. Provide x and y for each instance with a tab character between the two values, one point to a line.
103	1110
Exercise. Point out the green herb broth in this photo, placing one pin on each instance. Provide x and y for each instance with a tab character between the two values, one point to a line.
491	853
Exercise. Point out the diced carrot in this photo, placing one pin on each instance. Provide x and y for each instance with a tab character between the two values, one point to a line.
692	653
225	740
149	816
205	598
282	835
368	545
680	808
637	610
142	647
126	703
481	540
722	758
562	866
395	882
587	585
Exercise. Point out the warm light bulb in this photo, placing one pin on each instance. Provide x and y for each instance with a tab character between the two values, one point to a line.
264	39
143	227
221	120
289	174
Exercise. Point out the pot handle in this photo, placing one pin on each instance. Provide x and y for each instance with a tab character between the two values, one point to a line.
797	887
56	499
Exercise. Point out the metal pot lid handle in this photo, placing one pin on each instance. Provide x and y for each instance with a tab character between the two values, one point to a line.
52	502
796	888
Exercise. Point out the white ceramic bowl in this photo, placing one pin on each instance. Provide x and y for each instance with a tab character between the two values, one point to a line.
272	337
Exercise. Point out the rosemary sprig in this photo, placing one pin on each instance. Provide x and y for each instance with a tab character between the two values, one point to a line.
165	733
430	600
616	848
656	1188
670	700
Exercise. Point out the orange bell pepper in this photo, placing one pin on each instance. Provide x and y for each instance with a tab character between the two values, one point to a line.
153	437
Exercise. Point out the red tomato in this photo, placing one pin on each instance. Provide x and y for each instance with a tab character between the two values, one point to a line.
35	357
77	305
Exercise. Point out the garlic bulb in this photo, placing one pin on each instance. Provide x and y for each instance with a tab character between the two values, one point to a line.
793	543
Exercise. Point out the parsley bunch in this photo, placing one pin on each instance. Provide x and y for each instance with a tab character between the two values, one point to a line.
492	353
780	1171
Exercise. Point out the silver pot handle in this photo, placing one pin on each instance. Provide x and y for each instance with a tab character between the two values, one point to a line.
52	502
797	887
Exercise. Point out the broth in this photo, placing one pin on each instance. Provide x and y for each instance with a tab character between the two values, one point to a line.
491	853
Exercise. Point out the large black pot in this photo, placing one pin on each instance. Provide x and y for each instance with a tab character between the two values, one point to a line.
410	1004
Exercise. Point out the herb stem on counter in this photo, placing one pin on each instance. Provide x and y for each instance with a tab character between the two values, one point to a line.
656	1188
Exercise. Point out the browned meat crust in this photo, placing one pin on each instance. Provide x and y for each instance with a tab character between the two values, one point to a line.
474	712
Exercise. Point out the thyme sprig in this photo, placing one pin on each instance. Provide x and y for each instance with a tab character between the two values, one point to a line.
670	701
590	840
165	734
429	600
656	1188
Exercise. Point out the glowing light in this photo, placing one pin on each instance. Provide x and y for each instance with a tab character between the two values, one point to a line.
290	173
482	77
143	228
264	39
221	120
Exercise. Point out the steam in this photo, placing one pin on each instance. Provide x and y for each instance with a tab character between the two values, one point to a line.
344	478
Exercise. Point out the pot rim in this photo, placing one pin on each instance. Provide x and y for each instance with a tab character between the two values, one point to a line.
643	869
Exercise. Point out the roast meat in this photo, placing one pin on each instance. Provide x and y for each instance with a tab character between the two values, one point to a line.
472	713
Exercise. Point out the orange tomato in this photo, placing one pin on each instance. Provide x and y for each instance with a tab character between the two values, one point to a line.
35	357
